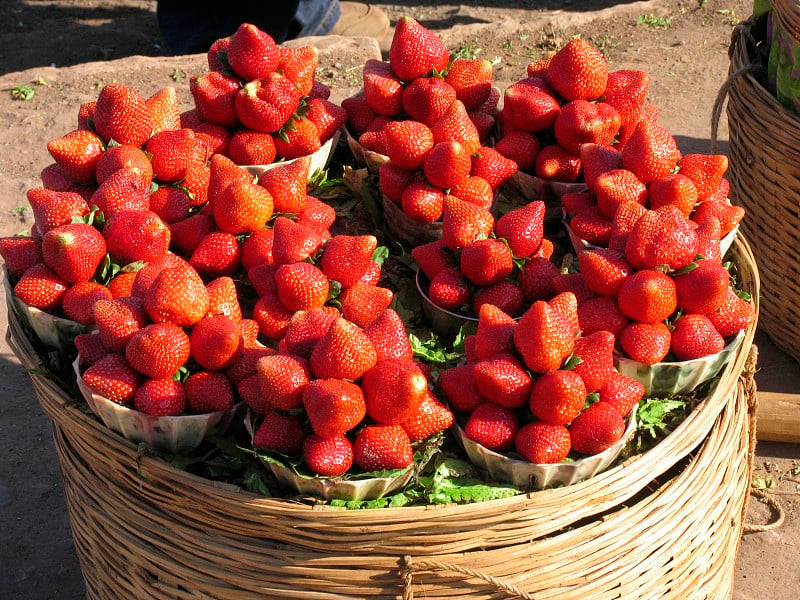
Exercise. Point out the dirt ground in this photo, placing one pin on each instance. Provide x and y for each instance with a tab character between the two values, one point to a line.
51	45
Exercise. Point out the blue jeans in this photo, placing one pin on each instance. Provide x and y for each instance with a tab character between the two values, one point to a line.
191	27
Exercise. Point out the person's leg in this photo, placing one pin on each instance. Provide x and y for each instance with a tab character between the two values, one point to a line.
314	17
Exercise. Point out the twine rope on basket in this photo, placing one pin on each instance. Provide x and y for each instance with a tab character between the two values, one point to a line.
410	565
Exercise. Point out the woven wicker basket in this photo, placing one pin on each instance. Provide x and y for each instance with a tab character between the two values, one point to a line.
665	523
764	148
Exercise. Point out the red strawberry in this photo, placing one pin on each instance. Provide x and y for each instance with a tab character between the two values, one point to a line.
539	68
280	433
463	222
566	305
215	97
709	234
326	116
299	65
651	152
492	426
158	350
393	180
134	235
615	188
415	51
430	417
117	320
382	447
374	138
575	202
294	242
282	380
486	262
347	258
287	186
447	164
223	300
573	283
542	443
578	71
178	296
306	328
262	278
596	428
298	137
556	164
647	343
164	109
648	296
317	214
596	354
705	171
492	166
626	90
592	226
502	379
495	333
722	192
251	148
471	79
703	288
522	228
408	143
77	154
432	257
187	234
484	124
733	315
78	301
224	172
557	397
90	348
215	342
215	52
53	178
301	286
728	216
243	208
113	378
125	189
530	105
344	352
328	456
506	295
333	406
388	336
171	153
198	177
394	390
604	270
273	318
257	248
474	190
359	114
661	237
54	209
543	338
449	290
456	126
597	159
266	104
171	204
459	389
122	115
252	53
694	336
673	189
382	91
521	147
422	202
582	122
243	370
74	251
85	113
211	139
41	288
160	397
363	303
625	218
148	273
601	314
426	99
622	392
20	253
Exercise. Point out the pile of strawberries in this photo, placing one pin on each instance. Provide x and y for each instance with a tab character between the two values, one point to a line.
526	384
431	116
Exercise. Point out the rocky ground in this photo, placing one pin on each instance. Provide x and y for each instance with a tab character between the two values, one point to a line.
66	50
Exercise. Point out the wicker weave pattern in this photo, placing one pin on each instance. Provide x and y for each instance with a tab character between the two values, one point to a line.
144	529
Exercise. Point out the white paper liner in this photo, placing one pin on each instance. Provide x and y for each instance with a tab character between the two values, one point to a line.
442	321
319	160
371	159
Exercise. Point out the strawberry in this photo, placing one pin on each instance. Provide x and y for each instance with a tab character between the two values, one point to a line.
458	387
574	202
53	178
90	348
333	406
615	188
492	426
502	379
471	79
117	320
198	177
164	109
597	159
298	137
373	274
661	237
463	222
252	53
54	209
178	296
171	204
543	338
604	270
160	397
422	202
125	189
40	287
622	392
148	273
248	389
415	51
578	71
592	226
626	91
474	190
709	234
362	303
133	235
733	315
426	99
301	286
273	318
299	65
722	192
648	296
573	283
651	152
557	397
566	305
556	164
383	447
449	290
486	262
282	379
647	343
223	300
251	148
374	138
158	350
287	186
521	147
347	258
280	433
74	251
625	218
596	428
20	253
171	153
447	164
211	139
601	314
77	154
596	354
317	214
243	207
530	105
382	91
581	122
522	228
112	378
86	114
328	456
484	124
694	336
344	352
705	171
215	53
393	180
728	216
456	126
542	443
243	368
215	97
187	234
262	278
506	295
257	248
430	417
122	115
306	328
294	242
224	172
408	143
394	390
492	166
326	116
674	189
388	337
432	257
702	288
495	333
78	301
266	104
359	114
207	392
215	342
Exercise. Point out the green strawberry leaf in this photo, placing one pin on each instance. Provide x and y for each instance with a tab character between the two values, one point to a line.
380	255
656	416
688	268
572	362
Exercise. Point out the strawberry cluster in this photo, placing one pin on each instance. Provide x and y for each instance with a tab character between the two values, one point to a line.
526	384
431	117
262	101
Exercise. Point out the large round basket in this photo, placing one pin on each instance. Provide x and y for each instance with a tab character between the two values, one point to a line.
765	179
664	524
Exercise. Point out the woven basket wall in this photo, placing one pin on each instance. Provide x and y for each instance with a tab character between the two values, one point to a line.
665	524
764	149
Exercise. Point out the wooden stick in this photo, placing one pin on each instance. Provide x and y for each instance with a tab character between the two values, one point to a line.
778	417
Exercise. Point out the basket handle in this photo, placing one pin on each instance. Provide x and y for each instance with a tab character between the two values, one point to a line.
410	566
